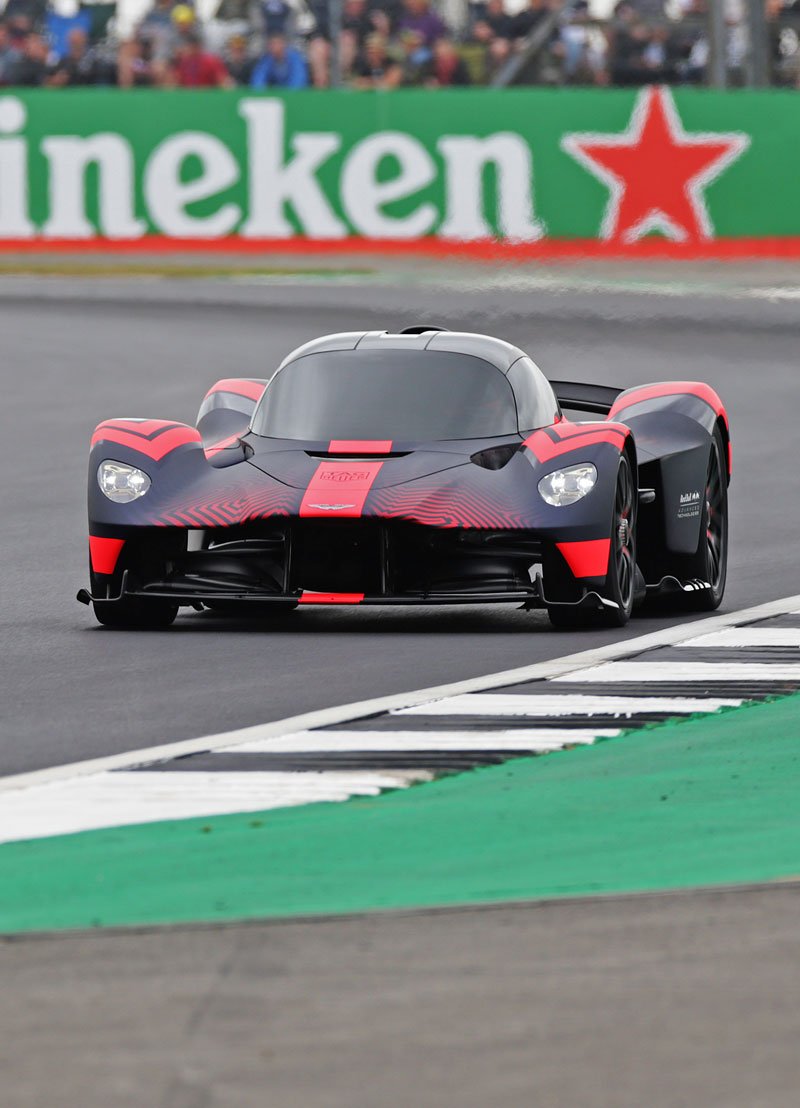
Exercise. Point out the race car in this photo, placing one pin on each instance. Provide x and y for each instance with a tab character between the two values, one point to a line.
425	467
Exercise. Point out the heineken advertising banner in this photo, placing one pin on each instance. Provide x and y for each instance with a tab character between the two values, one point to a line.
523	166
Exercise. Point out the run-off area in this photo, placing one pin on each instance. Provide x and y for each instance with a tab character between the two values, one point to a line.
701	730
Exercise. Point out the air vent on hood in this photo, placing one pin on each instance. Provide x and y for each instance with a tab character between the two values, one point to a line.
362	456
496	456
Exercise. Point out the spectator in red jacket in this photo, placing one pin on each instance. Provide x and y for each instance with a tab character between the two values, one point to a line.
446	69
194	67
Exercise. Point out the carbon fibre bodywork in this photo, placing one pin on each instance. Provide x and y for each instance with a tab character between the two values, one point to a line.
232	514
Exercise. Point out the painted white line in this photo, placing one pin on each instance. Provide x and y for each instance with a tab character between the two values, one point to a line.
650	672
308	742
776	293
563	704
116	799
560	667
748	637
522	282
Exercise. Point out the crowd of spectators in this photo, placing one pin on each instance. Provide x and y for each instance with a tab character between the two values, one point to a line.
383	44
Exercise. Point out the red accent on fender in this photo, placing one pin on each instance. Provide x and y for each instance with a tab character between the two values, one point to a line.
104	553
545	449
587	559
307	597
154	438
221	445
360	446
238	386
675	388
342	485
147	428
670	388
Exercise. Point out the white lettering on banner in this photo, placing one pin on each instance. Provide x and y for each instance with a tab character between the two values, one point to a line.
14	220
465	158
274	183
284	193
167	196
69	157
363	196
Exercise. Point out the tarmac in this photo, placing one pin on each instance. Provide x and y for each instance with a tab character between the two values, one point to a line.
681	1000
666	1000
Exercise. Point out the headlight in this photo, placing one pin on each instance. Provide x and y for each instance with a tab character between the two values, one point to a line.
565	486
122	483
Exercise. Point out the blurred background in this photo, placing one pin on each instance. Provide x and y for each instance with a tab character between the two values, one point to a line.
391	44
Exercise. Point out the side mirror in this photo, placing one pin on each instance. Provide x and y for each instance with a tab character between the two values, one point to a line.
225	415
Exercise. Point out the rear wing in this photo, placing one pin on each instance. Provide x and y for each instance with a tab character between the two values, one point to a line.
597	399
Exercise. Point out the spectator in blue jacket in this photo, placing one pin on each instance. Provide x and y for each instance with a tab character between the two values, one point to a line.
275	14
281	66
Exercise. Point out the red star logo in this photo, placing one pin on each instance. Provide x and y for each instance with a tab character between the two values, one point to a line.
655	171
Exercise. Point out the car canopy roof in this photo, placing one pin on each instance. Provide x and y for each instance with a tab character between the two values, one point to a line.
411	387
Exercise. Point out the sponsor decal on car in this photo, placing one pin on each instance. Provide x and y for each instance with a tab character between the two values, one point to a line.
689	505
344	475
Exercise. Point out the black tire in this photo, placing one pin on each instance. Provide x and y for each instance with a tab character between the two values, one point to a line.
572	619
620	583
710	562
135	615
131	613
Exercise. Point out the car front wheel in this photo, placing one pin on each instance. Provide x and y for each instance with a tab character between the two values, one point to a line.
619	587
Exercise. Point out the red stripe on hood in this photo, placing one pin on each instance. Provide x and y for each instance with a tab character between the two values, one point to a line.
360	446
338	490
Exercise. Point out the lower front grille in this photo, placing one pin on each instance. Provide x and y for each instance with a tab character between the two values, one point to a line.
378	558
358	556
337	556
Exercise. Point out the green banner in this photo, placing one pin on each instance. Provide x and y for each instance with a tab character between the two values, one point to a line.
464	166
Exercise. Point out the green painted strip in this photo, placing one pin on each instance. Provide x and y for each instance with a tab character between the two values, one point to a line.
699	802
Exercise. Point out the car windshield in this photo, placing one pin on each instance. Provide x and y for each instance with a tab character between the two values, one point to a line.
402	395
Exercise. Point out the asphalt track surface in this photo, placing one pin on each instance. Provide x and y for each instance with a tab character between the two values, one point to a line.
654	1002
688	999
79	351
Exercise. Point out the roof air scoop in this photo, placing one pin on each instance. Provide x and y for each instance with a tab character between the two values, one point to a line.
422	329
